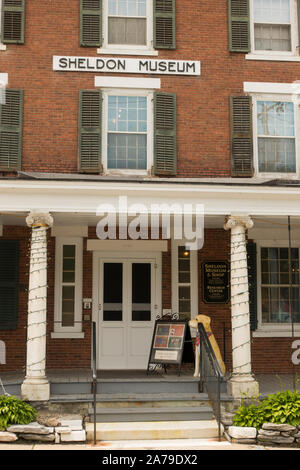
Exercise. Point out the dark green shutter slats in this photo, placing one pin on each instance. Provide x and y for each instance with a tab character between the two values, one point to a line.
11	130
165	153
252	277
90	113
91	23
239	25
164	24
241	136
9	267
13	21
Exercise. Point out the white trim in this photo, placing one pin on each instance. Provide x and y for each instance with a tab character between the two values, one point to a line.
276	55
272	58
271	87
65	335
194	278
271	329
128	245
127	49
4	78
121	82
77	328
69	231
128	92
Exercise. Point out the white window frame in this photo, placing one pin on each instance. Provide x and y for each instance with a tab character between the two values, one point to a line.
271	329
275	97
2	46
193	279
127	49
76	330
276	55
150	129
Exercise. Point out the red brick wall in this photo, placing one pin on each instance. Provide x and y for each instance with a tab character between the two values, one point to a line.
51	98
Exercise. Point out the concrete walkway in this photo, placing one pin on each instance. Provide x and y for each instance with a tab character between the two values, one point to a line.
180	445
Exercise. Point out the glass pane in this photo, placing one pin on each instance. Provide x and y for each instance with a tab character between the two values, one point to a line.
276	155
113	292
272	37
68	305
127	151
127	7
275	118
131	31
271	11
69	263
141	292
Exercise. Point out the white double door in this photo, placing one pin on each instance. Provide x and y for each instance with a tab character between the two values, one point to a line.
128	304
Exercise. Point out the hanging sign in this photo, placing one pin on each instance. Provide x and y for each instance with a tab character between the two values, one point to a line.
168	342
121	65
215	282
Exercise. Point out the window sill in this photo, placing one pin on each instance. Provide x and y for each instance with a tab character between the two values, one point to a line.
282	58
141	52
269	333
75	335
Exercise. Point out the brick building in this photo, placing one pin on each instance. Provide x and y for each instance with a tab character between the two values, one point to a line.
158	101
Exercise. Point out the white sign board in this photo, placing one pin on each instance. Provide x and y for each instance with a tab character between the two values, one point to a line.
121	65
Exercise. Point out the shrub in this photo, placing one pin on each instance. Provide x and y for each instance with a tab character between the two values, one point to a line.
279	408
15	411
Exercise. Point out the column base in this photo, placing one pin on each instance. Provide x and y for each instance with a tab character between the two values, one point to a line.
243	387
35	389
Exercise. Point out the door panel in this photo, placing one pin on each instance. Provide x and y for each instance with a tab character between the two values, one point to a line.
128	292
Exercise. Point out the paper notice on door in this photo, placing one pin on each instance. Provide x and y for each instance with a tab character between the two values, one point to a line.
166	355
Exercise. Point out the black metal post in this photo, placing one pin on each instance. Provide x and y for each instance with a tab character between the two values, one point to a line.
94	378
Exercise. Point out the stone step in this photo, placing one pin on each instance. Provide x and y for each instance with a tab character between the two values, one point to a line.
103	398
153	430
178	413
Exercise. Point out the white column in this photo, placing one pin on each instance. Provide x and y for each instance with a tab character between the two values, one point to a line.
241	381
36	386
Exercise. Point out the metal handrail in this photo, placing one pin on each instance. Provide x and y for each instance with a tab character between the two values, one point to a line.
208	357
94	371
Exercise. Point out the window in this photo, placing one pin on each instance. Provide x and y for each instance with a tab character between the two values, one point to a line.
280	285
272	25
127	22
184	280
12	21
68	287
135	27
127	132
276	137
266	29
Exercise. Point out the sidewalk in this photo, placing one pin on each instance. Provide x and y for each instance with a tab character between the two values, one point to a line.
181	445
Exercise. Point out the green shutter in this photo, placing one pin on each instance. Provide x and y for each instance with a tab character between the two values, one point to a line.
165	152
239	25
11	117
252	279
9	267
164	24
13	21
90	114
241	136
91	23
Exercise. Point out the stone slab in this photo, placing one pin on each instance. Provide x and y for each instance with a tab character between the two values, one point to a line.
264	432
74	436
275	439
73	424
63	429
239	432
31	428
279	427
38	437
8	436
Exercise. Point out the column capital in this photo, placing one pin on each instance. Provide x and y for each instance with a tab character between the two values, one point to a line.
232	221
39	219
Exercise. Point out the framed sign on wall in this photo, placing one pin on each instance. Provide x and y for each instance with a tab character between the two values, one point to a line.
215	282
